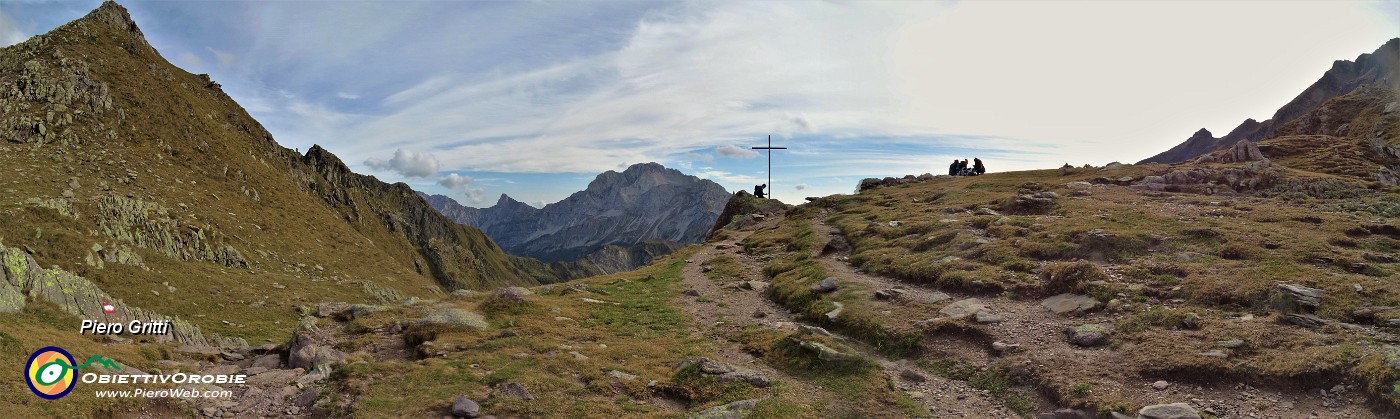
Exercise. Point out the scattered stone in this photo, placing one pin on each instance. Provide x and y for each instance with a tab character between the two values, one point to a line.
827	285
706	268
1161	385
986	211
758	314
1215	353
578	356
962	309
515	390
735	410
1002	348
692	292
1169	411
754	285
1065	304
831	315
1079	185
465	408
1088	335
987	317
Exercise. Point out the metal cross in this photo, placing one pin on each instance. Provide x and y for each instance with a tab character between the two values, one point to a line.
770	149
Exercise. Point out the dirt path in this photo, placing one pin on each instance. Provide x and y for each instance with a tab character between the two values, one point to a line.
730	308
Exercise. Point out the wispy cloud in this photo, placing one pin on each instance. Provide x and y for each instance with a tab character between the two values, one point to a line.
733	151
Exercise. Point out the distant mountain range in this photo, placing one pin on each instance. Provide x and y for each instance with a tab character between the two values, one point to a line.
1381	67
645	211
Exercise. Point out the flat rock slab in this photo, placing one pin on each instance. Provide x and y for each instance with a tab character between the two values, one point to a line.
1067	303
962	309
1169	411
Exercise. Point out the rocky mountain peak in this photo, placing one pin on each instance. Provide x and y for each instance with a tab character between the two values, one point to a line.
1202	133
1376	68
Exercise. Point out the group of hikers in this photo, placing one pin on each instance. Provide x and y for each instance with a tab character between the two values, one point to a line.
960	168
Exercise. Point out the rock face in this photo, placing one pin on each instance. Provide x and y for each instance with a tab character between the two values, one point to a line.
1379	67
645	203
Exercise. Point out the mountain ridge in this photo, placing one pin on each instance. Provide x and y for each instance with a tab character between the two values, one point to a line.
1380	67
645	202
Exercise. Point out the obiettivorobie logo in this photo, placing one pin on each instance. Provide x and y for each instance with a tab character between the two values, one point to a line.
51	374
51	371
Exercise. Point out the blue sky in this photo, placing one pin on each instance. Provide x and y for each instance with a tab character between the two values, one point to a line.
534	99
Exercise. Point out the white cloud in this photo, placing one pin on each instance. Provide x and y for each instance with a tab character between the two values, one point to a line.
408	163
347	95
455	181
733	151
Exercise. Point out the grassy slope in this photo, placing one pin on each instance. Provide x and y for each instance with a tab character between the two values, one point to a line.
1172	254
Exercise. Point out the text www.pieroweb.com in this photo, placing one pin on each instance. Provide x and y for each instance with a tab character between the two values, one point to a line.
177	393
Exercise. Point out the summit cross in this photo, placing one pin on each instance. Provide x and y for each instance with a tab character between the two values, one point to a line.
770	149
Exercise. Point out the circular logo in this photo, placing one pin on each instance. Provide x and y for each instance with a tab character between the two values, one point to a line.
49	373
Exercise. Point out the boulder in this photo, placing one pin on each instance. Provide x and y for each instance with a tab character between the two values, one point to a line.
463	407
835	312
827	285
1169	411
826	353
1293	298
963	308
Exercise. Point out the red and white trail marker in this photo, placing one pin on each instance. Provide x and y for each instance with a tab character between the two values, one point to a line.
108	308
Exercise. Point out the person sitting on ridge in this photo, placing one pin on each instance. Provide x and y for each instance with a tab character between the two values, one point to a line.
977	166
758	190
953	168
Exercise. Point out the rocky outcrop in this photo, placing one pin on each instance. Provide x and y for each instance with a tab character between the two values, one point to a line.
1377	68
645	203
744	209
22	279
